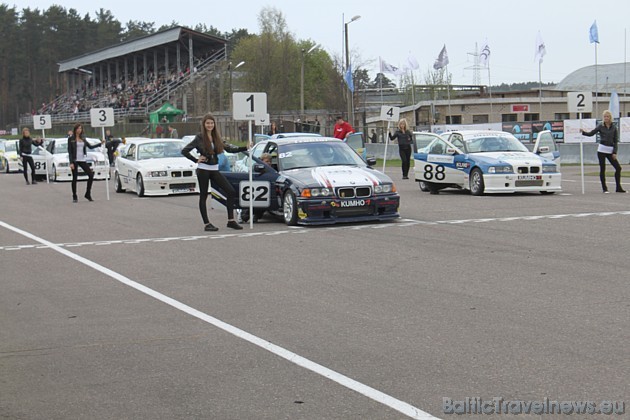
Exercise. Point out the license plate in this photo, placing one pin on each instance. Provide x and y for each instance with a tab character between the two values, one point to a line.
529	177
353	203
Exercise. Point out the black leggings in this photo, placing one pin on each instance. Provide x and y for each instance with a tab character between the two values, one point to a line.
204	177
602	169
405	156
75	173
28	160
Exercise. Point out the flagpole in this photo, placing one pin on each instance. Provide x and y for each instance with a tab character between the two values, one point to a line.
489	89
448	93
596	86
540	89
625	65
413	101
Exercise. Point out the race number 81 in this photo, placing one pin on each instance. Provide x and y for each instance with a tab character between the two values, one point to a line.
438	174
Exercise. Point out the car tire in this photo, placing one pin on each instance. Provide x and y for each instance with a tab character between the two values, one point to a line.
423	186
289	208
476	182
119	187
54	173
139	186
547	192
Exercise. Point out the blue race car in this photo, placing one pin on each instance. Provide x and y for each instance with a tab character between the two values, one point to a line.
486	162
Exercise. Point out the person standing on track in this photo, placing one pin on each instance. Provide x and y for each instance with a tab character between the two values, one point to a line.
209	145
25	151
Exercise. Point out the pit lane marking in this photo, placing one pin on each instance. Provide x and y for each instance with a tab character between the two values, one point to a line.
337	377
305	230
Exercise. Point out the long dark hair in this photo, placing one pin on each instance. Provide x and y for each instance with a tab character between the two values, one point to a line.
215	136
74	132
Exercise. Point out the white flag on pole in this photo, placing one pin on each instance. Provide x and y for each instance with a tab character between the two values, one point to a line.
442	60
484	56
540	49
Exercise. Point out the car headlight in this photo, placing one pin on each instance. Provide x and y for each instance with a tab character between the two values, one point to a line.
384	188
550	168
500	170
321	192
156	174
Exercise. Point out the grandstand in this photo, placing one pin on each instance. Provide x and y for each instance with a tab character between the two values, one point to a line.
140	75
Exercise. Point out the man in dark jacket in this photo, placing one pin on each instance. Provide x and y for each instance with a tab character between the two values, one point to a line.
25	151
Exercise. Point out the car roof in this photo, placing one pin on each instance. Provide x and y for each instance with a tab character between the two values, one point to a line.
303	139
480	133
285	135
141	140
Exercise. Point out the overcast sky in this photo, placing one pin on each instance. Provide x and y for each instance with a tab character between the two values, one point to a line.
393	30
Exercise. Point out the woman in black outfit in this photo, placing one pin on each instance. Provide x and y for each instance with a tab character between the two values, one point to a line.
26	148
209	145
405	143
607	149
77	154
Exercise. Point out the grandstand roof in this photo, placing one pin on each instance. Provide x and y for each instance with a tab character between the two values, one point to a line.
609	77
140	44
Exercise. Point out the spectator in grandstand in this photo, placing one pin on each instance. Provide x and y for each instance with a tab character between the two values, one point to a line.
172	132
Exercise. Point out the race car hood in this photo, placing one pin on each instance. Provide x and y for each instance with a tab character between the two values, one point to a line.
512	158
337	176
167	163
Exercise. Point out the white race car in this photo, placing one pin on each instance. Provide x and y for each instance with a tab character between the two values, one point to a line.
11	159
486	162
155	167
55	158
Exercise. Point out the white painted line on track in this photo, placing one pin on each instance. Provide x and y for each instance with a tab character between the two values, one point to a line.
374	394
402	223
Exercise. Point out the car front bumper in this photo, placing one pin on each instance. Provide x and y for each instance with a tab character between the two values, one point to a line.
333	210
168	186
65	174
505	183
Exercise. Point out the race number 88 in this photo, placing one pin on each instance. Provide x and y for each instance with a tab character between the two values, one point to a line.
439	173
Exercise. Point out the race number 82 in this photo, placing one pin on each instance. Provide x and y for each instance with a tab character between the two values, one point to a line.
259	191
438	174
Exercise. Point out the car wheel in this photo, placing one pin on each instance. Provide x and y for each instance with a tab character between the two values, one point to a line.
423	186
119	187
6	166
139	186
476	182
547	192
54	173
289	208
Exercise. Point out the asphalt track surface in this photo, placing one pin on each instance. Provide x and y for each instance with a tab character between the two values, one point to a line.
126	309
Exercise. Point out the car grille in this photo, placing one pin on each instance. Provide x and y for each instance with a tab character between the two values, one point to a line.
529	183
182	186
178	174
529	169
354	211
354	192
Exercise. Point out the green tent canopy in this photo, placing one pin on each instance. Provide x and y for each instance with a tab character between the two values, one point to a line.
167	110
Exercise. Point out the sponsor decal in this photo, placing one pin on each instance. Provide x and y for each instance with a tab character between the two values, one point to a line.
440	158
301	214
462	165
354	203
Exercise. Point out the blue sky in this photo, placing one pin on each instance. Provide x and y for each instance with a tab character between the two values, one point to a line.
418	28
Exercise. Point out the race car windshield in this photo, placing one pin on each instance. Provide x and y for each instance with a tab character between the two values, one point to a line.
494	144
61	148
160	150
10	147
310	155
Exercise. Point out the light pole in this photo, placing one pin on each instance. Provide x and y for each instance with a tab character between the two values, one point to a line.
350	110
304	53
231	70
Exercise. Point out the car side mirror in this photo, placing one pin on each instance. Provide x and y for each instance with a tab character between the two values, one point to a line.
451	151
259	168
371	161
543	149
